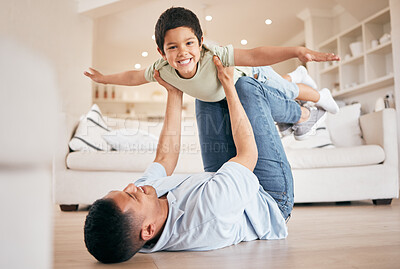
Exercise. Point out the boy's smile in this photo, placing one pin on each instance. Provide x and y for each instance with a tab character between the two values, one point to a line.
182	51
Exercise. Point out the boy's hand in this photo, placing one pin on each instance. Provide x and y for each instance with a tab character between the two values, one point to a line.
95	75
166	85
307	55
225	74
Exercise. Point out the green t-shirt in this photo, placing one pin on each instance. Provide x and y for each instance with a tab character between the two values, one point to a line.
204	85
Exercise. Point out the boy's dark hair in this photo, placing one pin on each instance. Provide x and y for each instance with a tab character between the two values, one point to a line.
175	17
110	235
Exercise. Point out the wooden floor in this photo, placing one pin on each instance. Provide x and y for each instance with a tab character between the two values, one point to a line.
356	235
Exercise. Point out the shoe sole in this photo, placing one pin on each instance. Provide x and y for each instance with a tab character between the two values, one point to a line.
313	129
287	132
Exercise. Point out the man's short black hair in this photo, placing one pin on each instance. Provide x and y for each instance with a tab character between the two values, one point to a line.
111	236
175	17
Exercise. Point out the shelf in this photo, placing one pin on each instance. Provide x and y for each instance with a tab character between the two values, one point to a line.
352	60
332	42
120	101
140	117
376	27
330	69
381	49
381	18
366	87
379	62
355	35
372	67
354	32
330	79
353	71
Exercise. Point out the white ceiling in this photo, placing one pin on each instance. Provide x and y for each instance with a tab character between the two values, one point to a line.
233	20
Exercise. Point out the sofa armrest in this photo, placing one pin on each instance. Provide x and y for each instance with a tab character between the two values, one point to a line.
379	128
66	127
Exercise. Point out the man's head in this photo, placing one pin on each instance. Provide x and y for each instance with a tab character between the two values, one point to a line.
179	38
119	224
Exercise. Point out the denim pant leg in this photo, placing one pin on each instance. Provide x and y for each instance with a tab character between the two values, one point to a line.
215	135
263	106
268	76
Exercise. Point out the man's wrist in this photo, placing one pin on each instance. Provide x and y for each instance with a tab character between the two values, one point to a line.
175	96
174	92
229	83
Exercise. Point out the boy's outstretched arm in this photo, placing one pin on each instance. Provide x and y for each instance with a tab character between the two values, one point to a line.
127	78
170	138
242	132
271	55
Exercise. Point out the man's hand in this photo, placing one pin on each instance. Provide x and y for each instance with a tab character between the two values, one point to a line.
307	55
95	75
225	74
166	85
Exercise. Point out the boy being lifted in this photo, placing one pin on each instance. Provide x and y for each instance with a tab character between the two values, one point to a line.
187	63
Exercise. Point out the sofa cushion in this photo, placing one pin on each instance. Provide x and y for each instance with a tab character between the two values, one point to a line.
344	127
335	157
130	140
96	132
88	135
189	161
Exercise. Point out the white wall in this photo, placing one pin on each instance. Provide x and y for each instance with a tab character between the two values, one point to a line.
395	21
290	65
54	30
44	48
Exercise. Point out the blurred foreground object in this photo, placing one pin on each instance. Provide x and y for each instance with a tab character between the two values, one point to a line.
27	111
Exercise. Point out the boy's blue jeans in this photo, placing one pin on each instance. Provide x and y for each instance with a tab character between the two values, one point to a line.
268	76
263	105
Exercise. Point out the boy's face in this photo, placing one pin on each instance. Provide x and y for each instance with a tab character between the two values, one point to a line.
182	51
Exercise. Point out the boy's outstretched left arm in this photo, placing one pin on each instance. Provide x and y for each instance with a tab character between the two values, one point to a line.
271	55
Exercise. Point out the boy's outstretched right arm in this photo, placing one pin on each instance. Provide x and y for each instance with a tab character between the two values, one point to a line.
127	78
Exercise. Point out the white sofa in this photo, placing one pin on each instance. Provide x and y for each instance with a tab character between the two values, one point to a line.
354	172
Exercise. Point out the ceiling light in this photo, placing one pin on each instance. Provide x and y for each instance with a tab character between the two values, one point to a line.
153	37
137	66
243	42
145	53
268	21
208	18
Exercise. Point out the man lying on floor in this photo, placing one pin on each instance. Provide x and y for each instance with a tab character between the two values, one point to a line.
208	210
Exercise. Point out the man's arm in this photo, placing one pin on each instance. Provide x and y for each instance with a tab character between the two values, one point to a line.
170	138
127	78
242	132
270	55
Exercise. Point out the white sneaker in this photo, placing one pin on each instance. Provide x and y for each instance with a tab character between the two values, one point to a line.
309	127
285	128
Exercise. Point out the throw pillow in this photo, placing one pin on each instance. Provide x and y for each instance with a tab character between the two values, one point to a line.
88	135
344	127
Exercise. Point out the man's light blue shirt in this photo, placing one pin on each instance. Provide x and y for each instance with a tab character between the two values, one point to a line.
213	210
